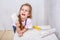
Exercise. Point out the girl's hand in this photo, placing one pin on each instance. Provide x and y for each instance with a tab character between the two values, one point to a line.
17	27
17	24
20	34
18	30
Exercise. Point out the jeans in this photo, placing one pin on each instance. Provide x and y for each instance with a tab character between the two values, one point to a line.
14	28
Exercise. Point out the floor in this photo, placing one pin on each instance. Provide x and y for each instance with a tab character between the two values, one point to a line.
6	35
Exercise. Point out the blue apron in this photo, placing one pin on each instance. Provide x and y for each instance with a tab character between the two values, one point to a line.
14	27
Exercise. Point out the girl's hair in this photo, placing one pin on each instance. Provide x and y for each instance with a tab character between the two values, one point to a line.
19	17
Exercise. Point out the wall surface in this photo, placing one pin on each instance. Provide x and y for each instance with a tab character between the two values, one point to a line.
52	11
45	12
8	7
56	16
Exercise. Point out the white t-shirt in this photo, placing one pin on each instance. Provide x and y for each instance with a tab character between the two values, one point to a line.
28	22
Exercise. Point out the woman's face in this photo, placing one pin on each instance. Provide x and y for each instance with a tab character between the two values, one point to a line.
24	12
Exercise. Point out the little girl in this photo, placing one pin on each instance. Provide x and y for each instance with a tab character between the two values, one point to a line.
24	20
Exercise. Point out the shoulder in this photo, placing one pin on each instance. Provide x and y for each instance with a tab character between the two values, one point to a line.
29	19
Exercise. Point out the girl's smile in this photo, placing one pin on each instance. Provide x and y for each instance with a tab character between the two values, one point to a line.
24	12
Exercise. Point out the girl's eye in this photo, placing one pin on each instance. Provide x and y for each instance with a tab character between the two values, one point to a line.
25	10
22	9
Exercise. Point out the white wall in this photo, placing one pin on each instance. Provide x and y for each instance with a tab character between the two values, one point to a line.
8	7
56	16
52	10
48	9
44	12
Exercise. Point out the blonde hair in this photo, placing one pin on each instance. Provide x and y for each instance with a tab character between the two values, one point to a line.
19	17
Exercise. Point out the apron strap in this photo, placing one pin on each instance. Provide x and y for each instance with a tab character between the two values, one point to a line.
25	22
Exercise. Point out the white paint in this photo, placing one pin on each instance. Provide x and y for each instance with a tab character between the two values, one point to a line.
52	11
8	7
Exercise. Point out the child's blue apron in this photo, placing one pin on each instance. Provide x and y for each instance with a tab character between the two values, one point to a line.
14	27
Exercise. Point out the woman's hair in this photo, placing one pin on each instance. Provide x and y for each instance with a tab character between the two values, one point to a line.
19	17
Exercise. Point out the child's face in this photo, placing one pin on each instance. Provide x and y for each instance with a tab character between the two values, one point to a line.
24	12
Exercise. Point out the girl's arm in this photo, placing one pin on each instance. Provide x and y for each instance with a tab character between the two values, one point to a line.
28	25
24	30
17	27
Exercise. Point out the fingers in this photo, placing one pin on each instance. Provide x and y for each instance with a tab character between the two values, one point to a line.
20	34
17	24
